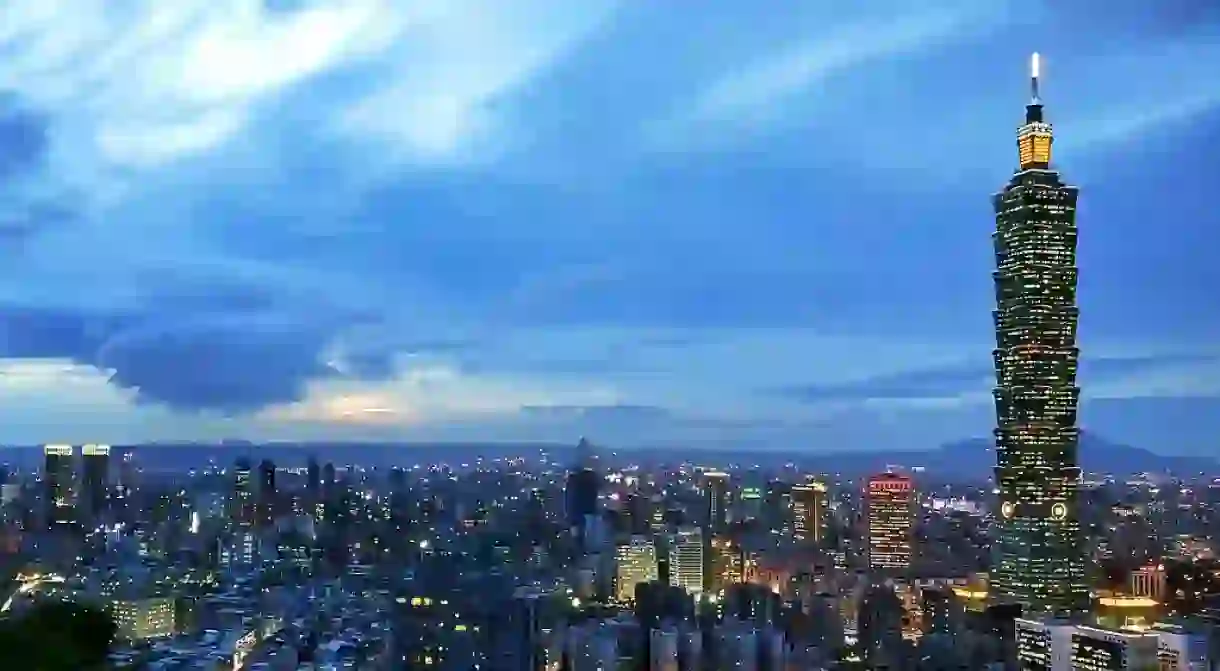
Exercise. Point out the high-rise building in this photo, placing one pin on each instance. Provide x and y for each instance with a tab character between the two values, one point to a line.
1039	559
890	502
313	478
95	479
809	512
266	496
716	496
636	563
686	560
726	564
1102	649
57	481
582	487
243	493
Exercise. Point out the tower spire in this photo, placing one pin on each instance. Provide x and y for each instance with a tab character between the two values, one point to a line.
1035	72
1035	137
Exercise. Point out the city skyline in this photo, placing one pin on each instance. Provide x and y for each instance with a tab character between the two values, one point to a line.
552	225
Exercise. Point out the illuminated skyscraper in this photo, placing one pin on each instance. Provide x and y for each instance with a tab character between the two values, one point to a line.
809	512
1039	559
637	563
57	477
890	499
266	494
95	479
686	560
716	494
243	493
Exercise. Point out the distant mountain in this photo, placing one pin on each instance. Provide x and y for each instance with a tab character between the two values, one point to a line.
971	459
975	459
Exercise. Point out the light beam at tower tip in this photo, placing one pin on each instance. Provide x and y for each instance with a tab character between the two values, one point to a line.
1035	65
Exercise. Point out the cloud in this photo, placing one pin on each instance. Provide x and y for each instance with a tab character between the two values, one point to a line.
153	82
1100	377
23	135
765	93
380	218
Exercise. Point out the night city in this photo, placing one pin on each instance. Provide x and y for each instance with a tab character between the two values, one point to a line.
609	335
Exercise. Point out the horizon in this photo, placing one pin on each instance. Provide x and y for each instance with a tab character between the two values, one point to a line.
359	222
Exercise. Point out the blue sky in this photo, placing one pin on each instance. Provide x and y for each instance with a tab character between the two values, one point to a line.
533	219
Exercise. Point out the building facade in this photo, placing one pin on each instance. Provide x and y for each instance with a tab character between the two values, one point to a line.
1039	558
890	500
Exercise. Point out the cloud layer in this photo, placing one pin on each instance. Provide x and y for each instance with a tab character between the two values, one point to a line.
480	219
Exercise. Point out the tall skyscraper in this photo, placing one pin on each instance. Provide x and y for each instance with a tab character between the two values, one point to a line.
95	479
890	499
686	560
716	494
313	478
243	493
809	512
581	489
266	494
636	563
1039	558
57	481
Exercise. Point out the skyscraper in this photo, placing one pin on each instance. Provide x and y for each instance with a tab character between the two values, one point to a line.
890	500
716	494
266	494
243	493
809	512
1039	560
95	477
636	563
686	560
582	487
57	477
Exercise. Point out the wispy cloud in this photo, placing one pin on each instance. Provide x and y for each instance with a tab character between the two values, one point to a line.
153	82
762	94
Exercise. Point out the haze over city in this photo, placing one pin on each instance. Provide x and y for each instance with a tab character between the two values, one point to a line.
536	220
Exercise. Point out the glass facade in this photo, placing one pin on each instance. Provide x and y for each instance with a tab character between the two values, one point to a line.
1040	560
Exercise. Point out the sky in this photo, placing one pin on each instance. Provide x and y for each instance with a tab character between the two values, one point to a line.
421	220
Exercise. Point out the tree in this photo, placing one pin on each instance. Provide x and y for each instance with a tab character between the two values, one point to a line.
55	636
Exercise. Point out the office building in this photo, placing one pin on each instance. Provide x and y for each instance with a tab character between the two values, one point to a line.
716	496
1149	581
143	619
1039	562
265	494
59	497
1098	649
582	488
686	560
636	563
726	564
809	512
890	499
95	480
1183	648
243	493
1043	645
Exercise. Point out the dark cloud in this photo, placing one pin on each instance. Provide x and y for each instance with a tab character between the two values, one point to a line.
231	364
35	333
23	138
